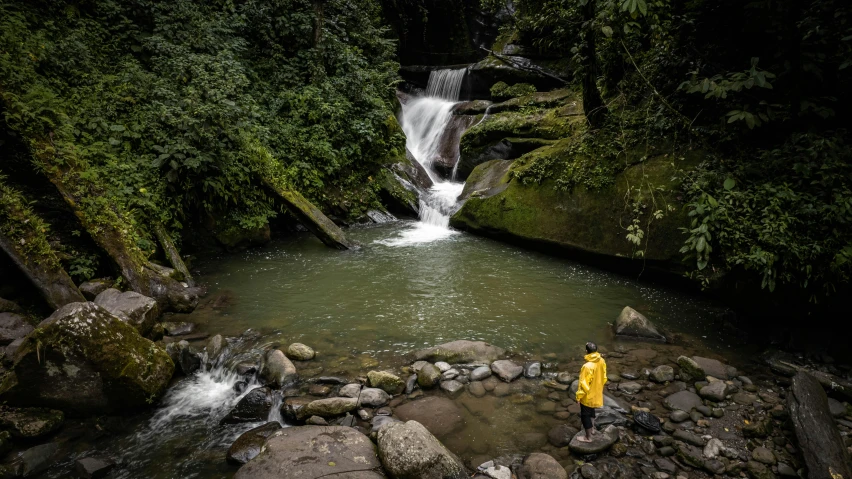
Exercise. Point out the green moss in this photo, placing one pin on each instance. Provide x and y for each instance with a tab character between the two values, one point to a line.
26	232
545	124
502	91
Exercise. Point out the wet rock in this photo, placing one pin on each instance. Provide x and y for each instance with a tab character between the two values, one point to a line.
38	459
819	439
688	437
565	378
763	456
836	408
373	397
246	368
476	389
786	471
187	360
408	451
379	421
497	472
388	382
691	455
30	423
532	369
316	421
543	466
744	398
450	374
253	407
600	442
92	288
350	390
630	387
561	435
441	416
215	347
248	445
93	467
453	387
461	351
631	323
662	374
713	448
300	352
319	390
139	311
411	384
715	466
683	401
312	452
678	415
530	441
689	369
758	429
178	329
13	326
429	376
328	407
666	451
85	360
506	370
502	390
278	371
715	391
757	470
480	373
712	367
443	366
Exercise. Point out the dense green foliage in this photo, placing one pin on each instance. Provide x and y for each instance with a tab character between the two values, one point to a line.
171	111
766	100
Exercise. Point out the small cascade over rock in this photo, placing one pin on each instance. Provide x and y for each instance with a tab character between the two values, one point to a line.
425	121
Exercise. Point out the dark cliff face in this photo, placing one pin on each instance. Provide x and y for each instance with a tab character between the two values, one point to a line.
441	32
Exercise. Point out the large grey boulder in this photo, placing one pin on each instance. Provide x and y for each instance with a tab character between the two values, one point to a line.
248	445
683	401
328	407
13	326
601	441
461	351
278	371
84	360
441	416
137	310
820	441
408	451
312	452
713	367
631	323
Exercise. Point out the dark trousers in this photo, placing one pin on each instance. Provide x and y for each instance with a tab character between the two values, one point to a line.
586	416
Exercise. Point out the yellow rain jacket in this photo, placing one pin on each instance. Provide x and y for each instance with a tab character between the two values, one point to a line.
592	380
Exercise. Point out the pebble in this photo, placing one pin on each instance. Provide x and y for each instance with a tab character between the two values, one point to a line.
442	366
480	373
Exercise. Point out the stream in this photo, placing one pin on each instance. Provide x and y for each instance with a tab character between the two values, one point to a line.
411	285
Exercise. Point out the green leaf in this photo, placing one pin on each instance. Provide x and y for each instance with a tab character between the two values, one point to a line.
607	30
700	244
116	128
643	7
729	184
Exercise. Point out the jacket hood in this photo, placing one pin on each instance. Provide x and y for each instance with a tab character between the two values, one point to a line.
593	357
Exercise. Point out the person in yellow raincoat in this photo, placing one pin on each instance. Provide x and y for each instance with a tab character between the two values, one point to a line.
590	389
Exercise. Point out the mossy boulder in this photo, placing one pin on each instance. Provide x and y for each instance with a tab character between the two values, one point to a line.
581	219
399	184
503	91
31	422
83	360
386	381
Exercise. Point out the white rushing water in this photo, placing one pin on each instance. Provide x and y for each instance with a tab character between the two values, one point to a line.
424	120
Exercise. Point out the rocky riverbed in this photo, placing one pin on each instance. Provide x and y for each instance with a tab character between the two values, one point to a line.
457	409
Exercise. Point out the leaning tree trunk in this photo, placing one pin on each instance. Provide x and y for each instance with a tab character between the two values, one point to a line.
22	237
593	104
172	252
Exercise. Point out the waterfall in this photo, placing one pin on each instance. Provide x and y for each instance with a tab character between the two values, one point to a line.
445	84
424	120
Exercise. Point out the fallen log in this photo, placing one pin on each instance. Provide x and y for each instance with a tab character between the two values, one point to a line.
311	217
22	237
820	441
172	252
784	364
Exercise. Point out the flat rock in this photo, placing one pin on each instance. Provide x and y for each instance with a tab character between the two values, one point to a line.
452	387
712	367
561	435
683	400
480	373
631	323
441	416
178	329
248	445
506	370
600	442
312	452
93	467
328	407
630	387
715	391
461	351
31	422
138	310
373	397
662	374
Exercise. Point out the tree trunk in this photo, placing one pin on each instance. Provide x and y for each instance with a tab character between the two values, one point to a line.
172	252
311	216
820	441
29	249
593	104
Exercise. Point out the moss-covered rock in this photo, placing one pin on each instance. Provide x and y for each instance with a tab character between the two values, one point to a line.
83	360
31	422
582	218
502	91
399	183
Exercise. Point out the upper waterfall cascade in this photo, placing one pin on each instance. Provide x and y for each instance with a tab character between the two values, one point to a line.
424	121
